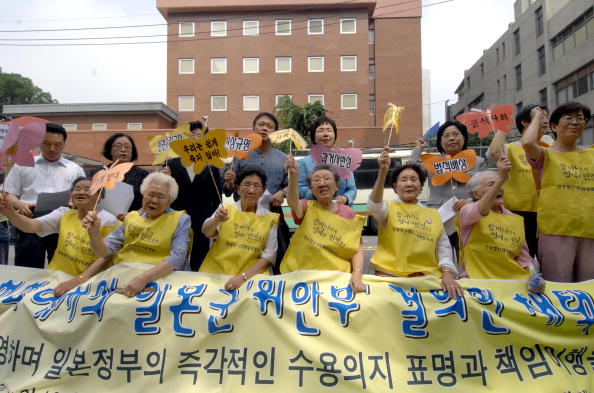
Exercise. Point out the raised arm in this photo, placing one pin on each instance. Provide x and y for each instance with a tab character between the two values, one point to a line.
292	169
93	224
530	136
488	199
377	194
25	224
497	146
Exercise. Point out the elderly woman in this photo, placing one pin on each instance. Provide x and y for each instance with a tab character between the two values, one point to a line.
121	147
324	132
492	237
246	232
156	235
329	234
73	254
412	241
566	203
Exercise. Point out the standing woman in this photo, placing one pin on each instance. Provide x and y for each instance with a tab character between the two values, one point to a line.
566	201
121	147
329	234
324	132
412	241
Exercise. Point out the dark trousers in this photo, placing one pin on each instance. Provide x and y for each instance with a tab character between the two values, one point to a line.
283	237
531	231
30	250
200	247
4	242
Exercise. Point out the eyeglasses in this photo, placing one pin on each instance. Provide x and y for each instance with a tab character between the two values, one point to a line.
122	147
454	134
255	187
578	119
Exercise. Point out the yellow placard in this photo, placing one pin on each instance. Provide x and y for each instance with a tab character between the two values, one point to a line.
159	144
201	151
286	134
109	177
392	117
299	332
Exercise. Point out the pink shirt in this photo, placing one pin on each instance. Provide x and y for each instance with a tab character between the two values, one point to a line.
469	215
343	211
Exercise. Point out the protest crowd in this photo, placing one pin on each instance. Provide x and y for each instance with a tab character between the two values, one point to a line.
531	215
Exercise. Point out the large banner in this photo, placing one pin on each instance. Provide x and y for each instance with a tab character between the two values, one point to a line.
299	332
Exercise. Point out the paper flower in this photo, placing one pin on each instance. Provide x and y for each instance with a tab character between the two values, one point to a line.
159	144
199	152
444	169
240	146
392	117
20	141
484	121
288	133
343	160
110	176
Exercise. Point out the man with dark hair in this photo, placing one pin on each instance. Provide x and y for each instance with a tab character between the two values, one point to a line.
51	173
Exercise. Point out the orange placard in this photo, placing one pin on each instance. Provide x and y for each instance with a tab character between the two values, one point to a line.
446	168
240	146
109	177
201	151
484	121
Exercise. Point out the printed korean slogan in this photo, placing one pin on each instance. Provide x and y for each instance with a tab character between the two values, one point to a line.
299	332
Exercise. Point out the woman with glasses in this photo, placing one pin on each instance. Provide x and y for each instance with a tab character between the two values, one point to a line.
121	147
566	201
246	242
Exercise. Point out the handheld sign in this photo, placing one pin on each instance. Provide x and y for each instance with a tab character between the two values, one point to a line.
159	144
392	119
484	121
201	151
110	176
19	141
288	133
444	169
240	146
343	160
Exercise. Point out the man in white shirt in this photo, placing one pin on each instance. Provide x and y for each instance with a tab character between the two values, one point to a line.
51	173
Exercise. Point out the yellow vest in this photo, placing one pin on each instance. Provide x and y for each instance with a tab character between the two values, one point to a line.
242	239
324	241
566	202
520	189
494	243
148	240
73	253
408	242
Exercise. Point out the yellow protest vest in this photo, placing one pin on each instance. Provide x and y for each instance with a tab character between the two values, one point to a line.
520	189
73	253
147	240
566	202
324	241
242	239
494	243
408	242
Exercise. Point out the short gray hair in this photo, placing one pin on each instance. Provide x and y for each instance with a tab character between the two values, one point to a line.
161	178
474	184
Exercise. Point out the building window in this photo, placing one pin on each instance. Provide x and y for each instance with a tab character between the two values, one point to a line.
482	70
348	26
348	101
371	37
313	98
218	28
186	103
372	104
573	35
468	82
477	102
315	64
279	97
503	50
504	82
186	66
538	21
251	103
251	65
99	126
348	63
315	26
218	65
517	42
518	70
283	27
134	126
218	103
70	127
186	29
542	95
251	27
497	55
498	86
542	67
282	64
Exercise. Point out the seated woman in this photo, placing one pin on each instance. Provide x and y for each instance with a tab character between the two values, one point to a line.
412	240
324	132
246	232
492	237
156	235
74	254
329	234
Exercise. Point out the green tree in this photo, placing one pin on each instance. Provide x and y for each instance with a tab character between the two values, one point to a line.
17	89
291	115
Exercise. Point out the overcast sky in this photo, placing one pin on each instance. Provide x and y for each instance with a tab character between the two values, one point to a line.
454	35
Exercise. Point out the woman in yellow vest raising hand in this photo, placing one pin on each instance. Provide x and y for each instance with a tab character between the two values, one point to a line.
156	235
411	241
329	234
246	232
492	237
